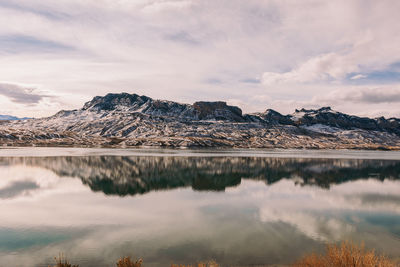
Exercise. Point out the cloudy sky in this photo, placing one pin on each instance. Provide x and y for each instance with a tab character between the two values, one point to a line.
255	54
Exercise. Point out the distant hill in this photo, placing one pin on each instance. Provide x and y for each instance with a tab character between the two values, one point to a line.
11	118
127	120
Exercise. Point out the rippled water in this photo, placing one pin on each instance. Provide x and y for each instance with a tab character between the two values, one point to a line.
236	208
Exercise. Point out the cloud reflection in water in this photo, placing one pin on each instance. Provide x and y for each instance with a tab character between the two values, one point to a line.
184	209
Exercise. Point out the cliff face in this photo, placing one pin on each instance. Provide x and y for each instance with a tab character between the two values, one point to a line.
132	120
218	111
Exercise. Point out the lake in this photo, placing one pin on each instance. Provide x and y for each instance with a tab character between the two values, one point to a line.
237	207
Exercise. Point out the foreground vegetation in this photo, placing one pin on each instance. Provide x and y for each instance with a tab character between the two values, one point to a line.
343	255
346	254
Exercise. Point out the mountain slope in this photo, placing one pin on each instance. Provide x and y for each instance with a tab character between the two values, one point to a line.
133	120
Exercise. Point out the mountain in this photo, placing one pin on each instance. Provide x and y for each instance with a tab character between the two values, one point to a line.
133	103
11	118
128	120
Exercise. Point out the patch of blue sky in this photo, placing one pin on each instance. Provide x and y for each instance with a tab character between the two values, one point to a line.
391	75
395	66
27	44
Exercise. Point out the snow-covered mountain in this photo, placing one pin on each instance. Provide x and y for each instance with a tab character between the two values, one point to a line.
132	120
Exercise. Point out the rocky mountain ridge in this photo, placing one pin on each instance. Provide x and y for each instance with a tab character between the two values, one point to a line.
132	120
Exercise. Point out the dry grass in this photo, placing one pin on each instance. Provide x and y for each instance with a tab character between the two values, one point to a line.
344	255
347	254
127	262
201	264
61	261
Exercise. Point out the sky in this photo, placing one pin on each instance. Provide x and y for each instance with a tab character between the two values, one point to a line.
262	54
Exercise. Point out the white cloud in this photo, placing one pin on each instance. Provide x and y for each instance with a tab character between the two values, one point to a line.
157	6
358	76
335	66
378	95
371	101
320	68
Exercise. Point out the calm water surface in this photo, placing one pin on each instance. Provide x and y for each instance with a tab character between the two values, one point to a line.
165	207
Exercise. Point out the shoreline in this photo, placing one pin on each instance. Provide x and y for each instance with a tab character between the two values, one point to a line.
46	151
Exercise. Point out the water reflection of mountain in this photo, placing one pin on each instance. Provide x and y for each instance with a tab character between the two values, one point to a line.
118	175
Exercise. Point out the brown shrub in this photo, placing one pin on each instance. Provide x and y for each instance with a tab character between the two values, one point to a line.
343	255
62	262
201	264
127	262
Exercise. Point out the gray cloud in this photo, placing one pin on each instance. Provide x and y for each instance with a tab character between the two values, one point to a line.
377	96
28	44
20	94
37	9
359	95
17	188
182	37
213	81
383	199
251	80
